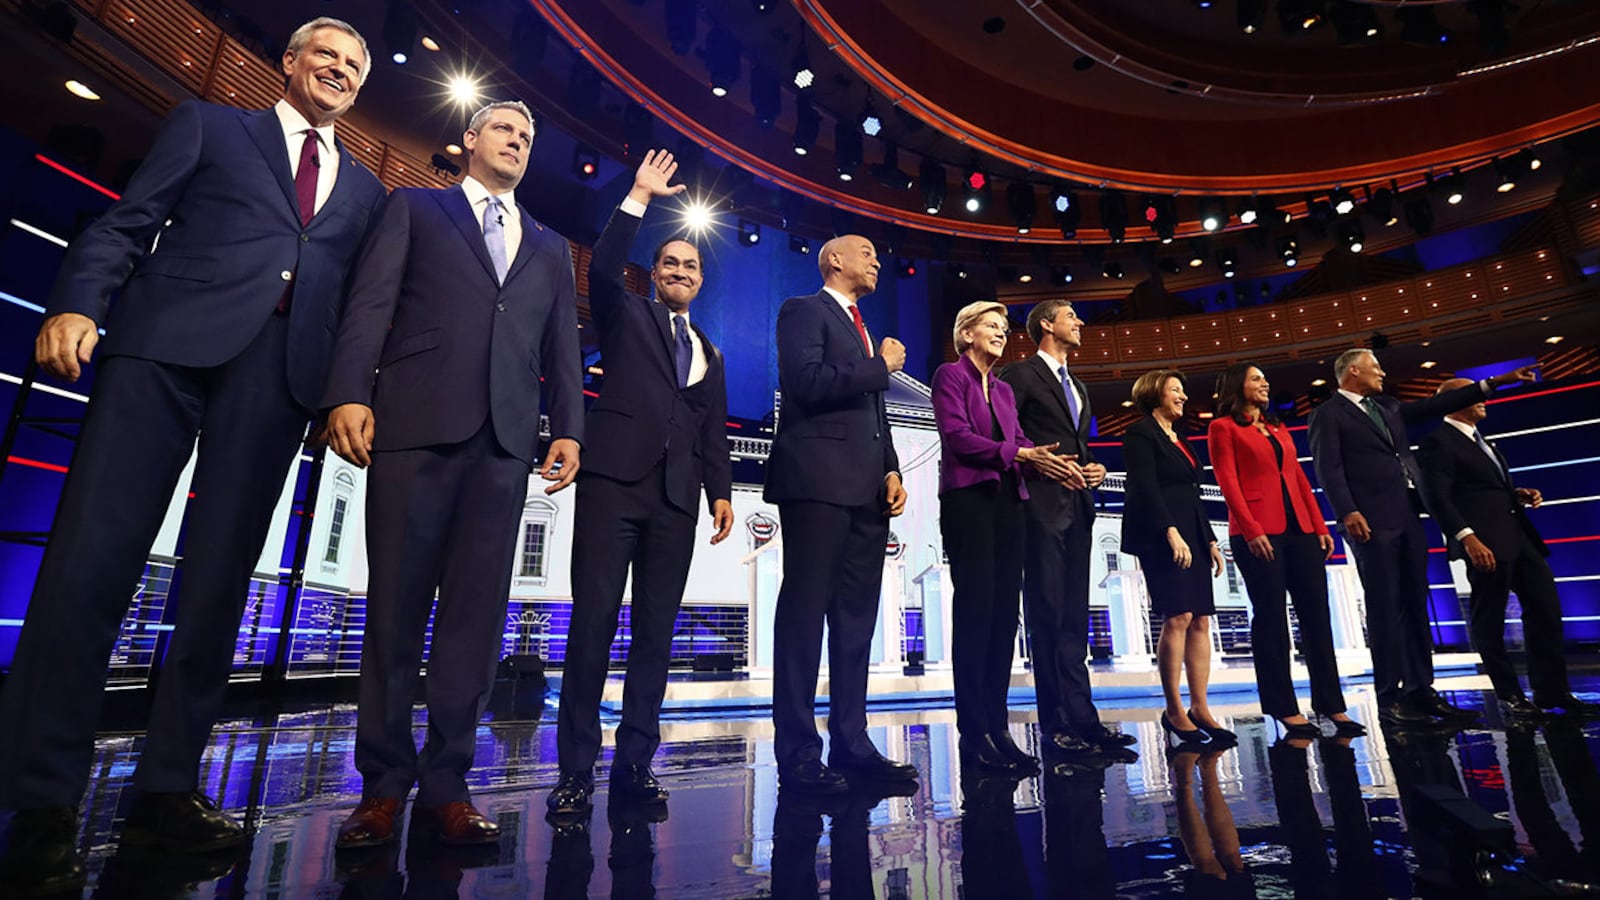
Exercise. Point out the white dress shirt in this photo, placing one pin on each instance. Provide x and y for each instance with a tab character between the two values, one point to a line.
295	127
511	220
1472	434
1055	369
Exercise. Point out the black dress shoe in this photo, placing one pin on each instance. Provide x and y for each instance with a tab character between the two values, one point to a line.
636	784
1349	728
42	855
570	796
1568	705
1430	702
181	821
1027	761
876	767
1064	744
1517	706
979	751
811	777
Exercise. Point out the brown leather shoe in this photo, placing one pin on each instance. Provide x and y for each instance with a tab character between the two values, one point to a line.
458	822
371	825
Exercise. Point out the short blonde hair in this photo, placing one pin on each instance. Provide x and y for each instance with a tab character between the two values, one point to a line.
1147	390
970	315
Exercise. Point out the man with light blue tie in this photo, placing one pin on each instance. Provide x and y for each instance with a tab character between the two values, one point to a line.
466	310
1053	408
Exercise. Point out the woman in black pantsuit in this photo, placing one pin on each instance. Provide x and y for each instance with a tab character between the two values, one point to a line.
1281	545
1164	524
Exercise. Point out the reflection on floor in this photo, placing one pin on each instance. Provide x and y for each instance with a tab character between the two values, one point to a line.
1378	816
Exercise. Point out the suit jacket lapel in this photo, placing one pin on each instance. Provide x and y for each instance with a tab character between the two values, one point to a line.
454	201
1360	413
1052	384
844	317
343	185
526	250
663	319
267	132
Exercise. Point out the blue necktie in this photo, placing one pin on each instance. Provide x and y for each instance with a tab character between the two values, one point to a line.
1477	437
1072	395
494	235
683	351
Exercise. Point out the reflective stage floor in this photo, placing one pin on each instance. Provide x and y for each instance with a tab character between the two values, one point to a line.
1383	815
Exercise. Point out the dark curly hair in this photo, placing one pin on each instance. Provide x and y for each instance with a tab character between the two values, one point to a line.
1230	395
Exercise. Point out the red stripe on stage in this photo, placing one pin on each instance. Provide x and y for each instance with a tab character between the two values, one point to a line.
1559	390
75	176
35	464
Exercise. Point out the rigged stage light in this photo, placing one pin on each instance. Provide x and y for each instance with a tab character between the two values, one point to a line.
585	162
1249	210
807	122
1114	214
766	96
722	60
1344	202
888	172
1213	213
931	177
749	233
1021	204
1381	204
1352	235
846	149
975	190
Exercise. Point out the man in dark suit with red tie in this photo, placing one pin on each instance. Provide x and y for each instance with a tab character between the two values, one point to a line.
463	305
657	438
1367	472
1476	504
835	477
230	248
1053	407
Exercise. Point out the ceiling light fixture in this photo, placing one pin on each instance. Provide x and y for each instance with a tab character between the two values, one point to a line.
79	89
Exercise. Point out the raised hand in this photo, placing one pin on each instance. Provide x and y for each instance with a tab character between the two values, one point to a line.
893	353
654	177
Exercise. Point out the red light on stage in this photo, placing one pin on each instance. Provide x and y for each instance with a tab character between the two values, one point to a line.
976	181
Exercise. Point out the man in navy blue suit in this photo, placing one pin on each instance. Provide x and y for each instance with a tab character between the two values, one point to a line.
223	329
463	305
657	438
835	477
1365	466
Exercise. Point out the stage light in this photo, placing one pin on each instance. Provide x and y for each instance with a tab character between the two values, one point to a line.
1112	269
1289	249
766	96
846	149
1025	278
799	244
975	190
1203	4
1418	25
1062	199
1021	204
444	166
585	162
1299	15
803	75
807	122
888	172
1554	339
1251	15
1355	23
1249	210
1060	275
871	124
1197	253
931	176
398	58
1228	262
960	270
1161	214
1429	363
1453	187
429	43
453	149
1114	214
765	6
79	89
697	217
1505	172
722	60
400	30
1352	235
905	268
1213	213
749	233
1530	159
1344	202
463	89
1380	204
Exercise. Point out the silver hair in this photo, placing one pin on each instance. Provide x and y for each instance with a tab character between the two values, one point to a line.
1348	359
297	40
482	115
970	315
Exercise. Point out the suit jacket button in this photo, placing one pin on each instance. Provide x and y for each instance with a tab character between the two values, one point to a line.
305	238
286	275
500	306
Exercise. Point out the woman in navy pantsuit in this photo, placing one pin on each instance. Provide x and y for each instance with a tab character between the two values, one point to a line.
981	491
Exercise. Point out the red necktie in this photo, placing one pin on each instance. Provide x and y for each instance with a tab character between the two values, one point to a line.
861	328
305	178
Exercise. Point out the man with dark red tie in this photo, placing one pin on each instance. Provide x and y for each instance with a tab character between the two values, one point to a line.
835	477
222	330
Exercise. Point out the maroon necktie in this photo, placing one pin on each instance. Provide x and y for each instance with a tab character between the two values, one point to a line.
305	178
861	328
305	194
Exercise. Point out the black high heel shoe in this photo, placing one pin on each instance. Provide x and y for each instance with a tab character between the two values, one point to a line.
1196	737
1217	733
1306	729
1348	728
981	751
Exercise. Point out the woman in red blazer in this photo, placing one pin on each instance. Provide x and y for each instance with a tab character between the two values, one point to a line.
1281	546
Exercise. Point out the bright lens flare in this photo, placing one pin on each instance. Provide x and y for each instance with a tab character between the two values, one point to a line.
697	216
463	90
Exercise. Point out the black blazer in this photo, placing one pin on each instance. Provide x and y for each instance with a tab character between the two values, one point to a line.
1042	410
833	443
1363	471
215	187
451	346
641	414
1163	491
1464	489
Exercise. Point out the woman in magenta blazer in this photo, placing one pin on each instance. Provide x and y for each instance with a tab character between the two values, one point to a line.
1281	546
981	490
